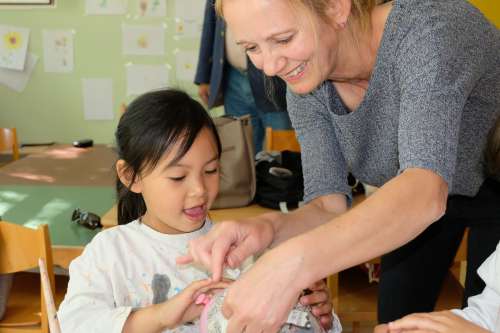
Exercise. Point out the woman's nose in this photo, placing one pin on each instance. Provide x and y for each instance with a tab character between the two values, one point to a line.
273	63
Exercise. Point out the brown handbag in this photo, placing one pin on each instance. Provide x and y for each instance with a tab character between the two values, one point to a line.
237	165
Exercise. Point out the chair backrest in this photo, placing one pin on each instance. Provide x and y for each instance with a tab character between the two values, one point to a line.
8	141
20	249
281	140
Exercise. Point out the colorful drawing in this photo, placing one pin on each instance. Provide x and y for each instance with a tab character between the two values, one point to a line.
143	40
13	47
186	65
58	51
105	7
152	7
188	18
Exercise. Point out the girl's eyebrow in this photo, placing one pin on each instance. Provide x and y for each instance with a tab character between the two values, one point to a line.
276	34
172	164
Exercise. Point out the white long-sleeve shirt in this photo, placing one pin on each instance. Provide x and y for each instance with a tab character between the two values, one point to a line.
483	309
126	267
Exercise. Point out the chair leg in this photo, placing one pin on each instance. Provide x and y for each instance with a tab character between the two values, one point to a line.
356	327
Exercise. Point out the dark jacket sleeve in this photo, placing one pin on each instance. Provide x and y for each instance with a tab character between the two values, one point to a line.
203	70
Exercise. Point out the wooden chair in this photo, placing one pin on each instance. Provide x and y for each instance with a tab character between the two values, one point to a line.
8	142
281	140
20	250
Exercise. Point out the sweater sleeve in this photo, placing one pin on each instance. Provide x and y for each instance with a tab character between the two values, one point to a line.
323	163
89	304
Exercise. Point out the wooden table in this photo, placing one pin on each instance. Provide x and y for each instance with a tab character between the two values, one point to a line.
47	185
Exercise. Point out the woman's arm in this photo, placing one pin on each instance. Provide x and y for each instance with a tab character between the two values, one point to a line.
393	215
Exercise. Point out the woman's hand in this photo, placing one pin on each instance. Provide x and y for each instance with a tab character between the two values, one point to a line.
434	322
261	299
228	243
203	92
320	302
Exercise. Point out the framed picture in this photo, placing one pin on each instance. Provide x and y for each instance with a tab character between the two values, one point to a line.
26	2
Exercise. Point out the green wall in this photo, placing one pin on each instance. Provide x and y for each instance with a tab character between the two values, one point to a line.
51	106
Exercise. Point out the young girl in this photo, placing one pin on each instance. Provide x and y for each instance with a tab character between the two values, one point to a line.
127	280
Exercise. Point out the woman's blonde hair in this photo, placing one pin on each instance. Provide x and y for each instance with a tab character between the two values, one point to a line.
360	9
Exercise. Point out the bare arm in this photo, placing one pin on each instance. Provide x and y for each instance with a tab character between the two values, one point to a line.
395	214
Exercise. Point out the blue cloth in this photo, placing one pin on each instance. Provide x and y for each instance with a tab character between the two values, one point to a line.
211	58
239	101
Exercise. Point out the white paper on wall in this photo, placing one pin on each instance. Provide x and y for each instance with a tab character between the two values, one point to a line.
156	8
144	78
17	80
186	62
105	7
189	18
13	46
143	40
97	99
58	51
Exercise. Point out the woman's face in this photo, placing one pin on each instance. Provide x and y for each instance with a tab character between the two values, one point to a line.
283	41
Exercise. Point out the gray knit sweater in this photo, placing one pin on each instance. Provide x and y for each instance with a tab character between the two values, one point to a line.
433	95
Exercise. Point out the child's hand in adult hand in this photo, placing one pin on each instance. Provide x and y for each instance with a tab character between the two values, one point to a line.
320	302
434	322
182	307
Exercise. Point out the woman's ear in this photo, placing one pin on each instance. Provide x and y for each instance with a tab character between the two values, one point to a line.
339	12
125	175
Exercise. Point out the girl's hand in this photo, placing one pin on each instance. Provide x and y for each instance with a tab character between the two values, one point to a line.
228	243
261	299
434	322
182	308
321	304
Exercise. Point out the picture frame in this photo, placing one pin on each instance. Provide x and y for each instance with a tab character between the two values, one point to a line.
27	2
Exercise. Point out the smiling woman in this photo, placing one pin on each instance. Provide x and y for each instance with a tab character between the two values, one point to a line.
402	95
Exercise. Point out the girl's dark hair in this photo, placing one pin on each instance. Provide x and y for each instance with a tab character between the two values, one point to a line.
492	153
152	124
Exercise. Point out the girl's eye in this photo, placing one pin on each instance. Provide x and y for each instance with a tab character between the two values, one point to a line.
177	179
212	171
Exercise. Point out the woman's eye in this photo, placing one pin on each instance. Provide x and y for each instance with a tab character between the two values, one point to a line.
177	179
250	49
212	171
285	40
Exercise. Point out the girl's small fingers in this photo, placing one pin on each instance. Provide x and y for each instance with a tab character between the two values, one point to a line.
315	298
322	309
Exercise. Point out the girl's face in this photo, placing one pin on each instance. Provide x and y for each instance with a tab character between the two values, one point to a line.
281	41
178	195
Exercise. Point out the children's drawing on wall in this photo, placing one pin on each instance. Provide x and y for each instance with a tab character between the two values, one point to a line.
152	8
188	18
13	47
58	51
143	78
105	7
15	79
143	40
97	98
186	65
